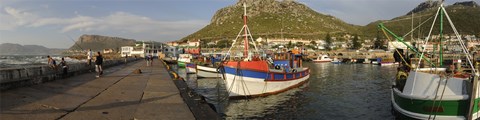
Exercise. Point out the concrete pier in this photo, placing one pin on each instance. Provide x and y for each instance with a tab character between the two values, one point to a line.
119	95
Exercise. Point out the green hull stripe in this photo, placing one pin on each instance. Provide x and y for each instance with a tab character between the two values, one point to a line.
181	64
448	107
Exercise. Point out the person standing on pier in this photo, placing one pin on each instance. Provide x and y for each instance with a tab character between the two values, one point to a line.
89	58
148	58
126	59
98	64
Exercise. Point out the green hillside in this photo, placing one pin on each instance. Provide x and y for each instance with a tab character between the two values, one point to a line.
266	18
466	18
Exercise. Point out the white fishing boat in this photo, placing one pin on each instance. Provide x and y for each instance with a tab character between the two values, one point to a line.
183	59
429	88
207	72
322	59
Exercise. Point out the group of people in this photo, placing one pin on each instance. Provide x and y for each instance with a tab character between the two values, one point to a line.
63	64
97	59
98	62
53	64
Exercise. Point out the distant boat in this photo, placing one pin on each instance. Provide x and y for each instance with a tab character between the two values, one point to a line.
207	72
209	69
250	76
322	59
183	59
385	62
170	60
191	68
336	61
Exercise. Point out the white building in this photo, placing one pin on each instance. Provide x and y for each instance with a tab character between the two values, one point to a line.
126	51
142	49
394	45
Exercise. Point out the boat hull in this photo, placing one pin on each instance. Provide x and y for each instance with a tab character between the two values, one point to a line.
181	64
207	72
252	83
418	97
191	68
252	87
321	61
386	63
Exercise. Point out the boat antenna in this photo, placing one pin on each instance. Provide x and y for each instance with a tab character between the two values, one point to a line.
71	39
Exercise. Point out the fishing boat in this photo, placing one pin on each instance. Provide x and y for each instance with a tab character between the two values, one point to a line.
322	59
183	59
248	75
336	61
209	68
385	62
170	60
430	88
191	68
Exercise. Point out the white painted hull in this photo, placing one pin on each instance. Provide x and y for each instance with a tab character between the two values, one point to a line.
388	64
423	116
321	61
191	70
247	86
207	72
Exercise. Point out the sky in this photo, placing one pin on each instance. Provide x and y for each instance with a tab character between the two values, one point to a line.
57	23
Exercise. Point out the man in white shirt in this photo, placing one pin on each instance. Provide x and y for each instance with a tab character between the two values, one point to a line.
89	57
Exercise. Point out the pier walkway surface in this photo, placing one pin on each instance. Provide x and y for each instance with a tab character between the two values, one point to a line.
118	95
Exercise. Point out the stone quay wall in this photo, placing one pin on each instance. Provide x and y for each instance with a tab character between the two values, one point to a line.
31	75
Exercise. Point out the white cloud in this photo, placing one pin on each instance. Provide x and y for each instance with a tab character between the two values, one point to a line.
118	21
12	18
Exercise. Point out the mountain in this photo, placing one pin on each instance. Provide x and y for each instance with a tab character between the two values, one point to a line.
98	43
17	49
425	6
464	15
267	18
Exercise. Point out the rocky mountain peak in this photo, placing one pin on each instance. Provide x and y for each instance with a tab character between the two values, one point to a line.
99	42
257	7
425	6
467	3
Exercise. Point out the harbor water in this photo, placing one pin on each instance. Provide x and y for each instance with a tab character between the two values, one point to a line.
15	61
334	91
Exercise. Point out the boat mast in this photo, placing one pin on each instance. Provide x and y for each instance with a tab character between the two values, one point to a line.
245	50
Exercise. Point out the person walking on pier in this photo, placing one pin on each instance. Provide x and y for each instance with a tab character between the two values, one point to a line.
98	64
149	59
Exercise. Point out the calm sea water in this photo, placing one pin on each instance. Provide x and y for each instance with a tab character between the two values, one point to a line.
344	91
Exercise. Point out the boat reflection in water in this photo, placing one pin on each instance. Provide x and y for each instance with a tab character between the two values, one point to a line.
256	108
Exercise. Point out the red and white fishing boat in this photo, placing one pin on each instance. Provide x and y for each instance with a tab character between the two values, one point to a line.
249	76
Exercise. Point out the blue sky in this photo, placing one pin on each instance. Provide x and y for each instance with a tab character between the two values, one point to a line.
50	23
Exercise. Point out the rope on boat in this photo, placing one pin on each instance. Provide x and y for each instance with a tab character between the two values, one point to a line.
244	85
441	96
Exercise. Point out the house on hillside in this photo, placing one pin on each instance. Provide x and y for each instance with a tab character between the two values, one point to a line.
108	50
193	43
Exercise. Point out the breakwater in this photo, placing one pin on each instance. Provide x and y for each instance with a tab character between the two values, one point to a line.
24	76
